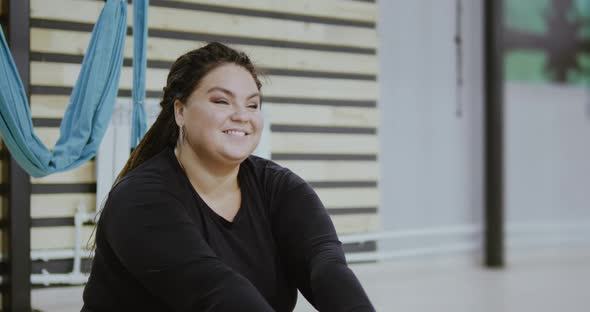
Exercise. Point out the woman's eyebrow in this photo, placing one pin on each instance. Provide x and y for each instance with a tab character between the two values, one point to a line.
231	94
254	95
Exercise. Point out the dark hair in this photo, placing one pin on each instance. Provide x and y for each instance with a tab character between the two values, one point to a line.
183	78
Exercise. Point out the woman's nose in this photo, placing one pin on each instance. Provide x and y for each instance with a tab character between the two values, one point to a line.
240	114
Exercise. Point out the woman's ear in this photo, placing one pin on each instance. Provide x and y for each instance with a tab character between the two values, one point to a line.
179	112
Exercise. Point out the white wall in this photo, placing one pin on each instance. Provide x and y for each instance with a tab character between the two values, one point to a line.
431	158
547	129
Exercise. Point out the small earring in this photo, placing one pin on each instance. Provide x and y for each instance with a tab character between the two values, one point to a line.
181	134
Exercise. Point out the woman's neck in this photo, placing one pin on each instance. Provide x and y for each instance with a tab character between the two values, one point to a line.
209	178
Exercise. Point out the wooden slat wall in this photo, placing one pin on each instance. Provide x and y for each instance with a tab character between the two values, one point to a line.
320	91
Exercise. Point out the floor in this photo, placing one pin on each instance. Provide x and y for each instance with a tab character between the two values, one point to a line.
539	281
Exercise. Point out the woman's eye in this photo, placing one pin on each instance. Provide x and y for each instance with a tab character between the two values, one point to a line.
221	102
255	106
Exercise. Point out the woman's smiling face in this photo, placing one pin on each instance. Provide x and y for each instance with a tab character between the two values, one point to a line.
222	117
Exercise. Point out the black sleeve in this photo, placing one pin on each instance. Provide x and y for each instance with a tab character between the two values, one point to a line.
310	247
152	235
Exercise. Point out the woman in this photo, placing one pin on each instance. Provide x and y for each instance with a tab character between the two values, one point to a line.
195	223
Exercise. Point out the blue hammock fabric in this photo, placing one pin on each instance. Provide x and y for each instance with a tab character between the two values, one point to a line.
140	32
89	110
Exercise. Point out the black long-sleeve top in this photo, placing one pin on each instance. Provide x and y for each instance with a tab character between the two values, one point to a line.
159	247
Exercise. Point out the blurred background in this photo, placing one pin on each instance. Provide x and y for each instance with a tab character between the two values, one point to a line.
448	139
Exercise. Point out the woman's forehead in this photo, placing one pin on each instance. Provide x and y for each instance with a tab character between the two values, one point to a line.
229	77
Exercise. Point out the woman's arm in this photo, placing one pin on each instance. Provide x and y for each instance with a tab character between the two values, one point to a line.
155	239
312	252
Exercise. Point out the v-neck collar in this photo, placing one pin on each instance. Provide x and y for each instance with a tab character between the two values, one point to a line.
203	205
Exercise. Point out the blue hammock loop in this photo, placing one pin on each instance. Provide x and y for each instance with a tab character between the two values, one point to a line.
89	110
140	32
92	101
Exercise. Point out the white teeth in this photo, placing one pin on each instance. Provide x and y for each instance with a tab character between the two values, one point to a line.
232	132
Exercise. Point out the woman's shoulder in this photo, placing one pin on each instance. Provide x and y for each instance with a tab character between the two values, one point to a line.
157	174
152	191
263	165
271	175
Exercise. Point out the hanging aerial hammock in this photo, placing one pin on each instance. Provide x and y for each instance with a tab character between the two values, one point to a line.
140	32
91	103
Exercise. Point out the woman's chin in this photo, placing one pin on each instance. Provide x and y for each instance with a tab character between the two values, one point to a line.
235	156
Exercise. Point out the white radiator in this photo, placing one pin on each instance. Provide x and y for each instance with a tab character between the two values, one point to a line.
116	145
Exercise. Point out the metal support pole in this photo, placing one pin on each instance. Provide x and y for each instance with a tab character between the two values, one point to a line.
16	288
494	127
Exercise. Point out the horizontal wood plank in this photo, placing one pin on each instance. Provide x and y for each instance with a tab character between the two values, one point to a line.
357	223
320	88
49	106
58	237
83	174
349	10
66	75
225	24
334	170
162	49
320	115
349	198
324	143
60	205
